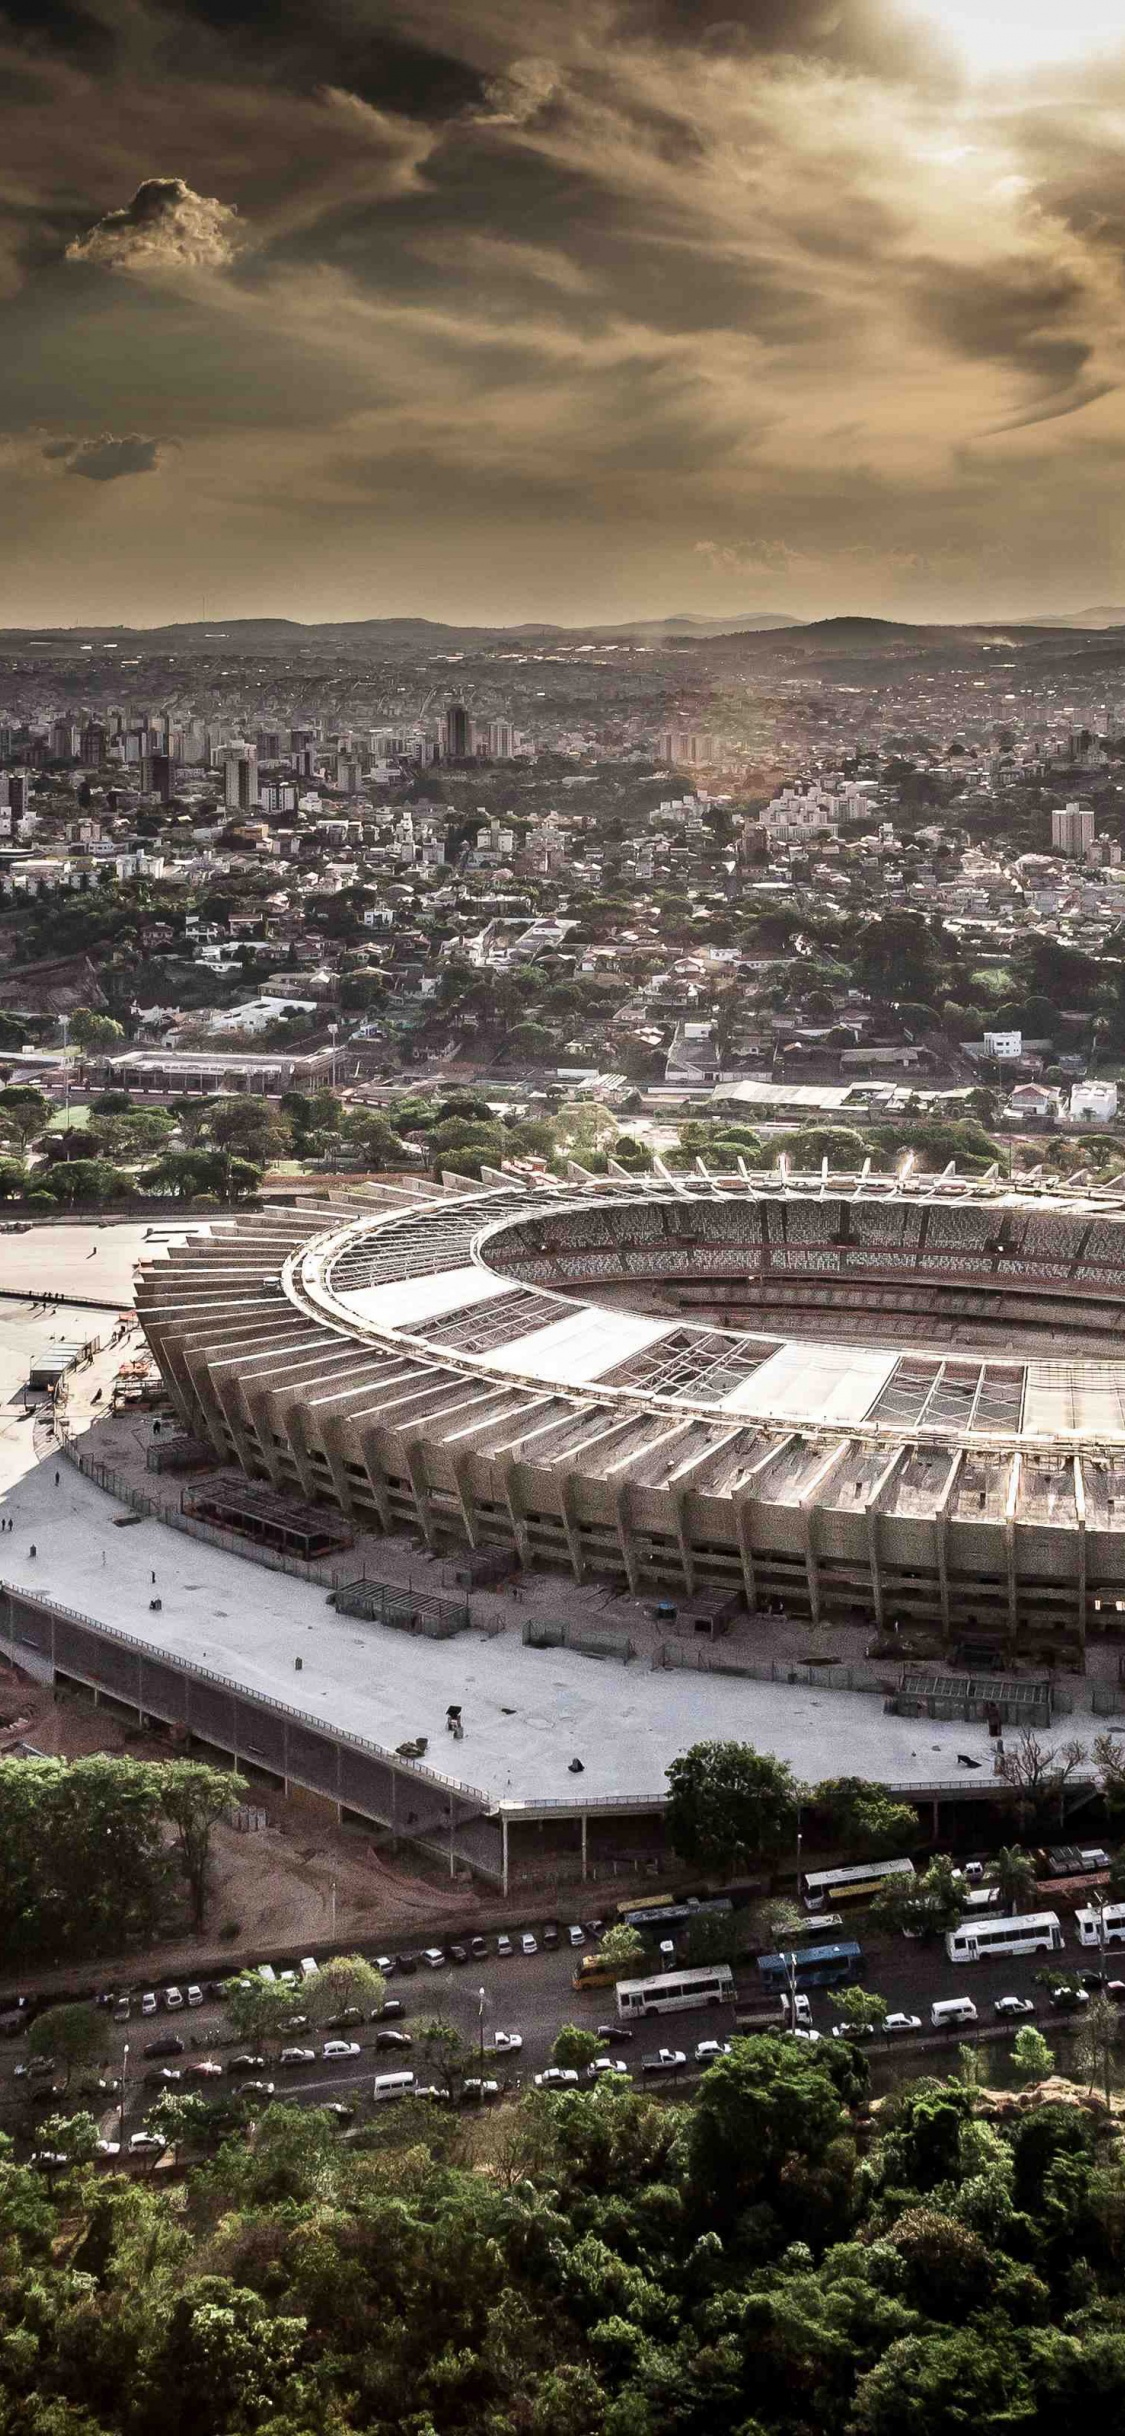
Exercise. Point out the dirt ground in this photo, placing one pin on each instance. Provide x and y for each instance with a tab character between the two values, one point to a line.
298	1882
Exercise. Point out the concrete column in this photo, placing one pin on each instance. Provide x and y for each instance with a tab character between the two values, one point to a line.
465	1499
377	1480
1080	1517
296	1430
683	1535
744	1517
625	1537
416	1467
584	1871
571	1526
331	1436
504	1846
514	1505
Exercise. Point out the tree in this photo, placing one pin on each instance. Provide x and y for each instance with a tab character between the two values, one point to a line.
575	2048
1098	2042
763	2111
91	1031
1031	2054
83	1863
23	1113
1038	1774
368	1131
259	2010
248	1127
348	1979
1014	1872
860	2009
194	1798
185	1173
863	1818
77	2036
448	2055
923	1906
72	2138
730	1806
91	1181
622	1949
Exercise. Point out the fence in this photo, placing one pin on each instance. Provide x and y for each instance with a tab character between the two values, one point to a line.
836	1676
590	1643
407	1610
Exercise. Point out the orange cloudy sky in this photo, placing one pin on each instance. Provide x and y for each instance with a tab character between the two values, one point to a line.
512	309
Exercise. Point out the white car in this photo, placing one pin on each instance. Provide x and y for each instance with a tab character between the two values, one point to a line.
337	2050
434	1956
811	2037
902	2021
173	2000
306	2055
194	1994
1012	2008
107	2148
604	2064
148	2002
504	1944
508	2042
666	2059
556	2076
528	1943
709	2048
147	2144
383	1962
576	1935
852	2030
479	2089
207	2068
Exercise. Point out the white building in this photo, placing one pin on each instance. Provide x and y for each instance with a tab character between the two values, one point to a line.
1093	1103
1072	830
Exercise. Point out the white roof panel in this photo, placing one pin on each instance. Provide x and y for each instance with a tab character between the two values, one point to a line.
408	1302
808	1382
580	1346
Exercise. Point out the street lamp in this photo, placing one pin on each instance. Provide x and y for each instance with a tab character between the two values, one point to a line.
124	2081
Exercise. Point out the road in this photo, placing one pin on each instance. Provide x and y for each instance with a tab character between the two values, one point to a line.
532	1995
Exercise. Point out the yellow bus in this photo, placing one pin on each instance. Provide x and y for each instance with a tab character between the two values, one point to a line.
592	1972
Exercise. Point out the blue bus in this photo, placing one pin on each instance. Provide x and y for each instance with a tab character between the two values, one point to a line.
814	1966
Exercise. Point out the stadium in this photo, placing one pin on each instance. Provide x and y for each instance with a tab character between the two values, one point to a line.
892	1401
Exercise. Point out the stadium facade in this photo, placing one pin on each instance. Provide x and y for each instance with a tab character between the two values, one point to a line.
900	1402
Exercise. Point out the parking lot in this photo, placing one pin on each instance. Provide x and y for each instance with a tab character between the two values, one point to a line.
508	2006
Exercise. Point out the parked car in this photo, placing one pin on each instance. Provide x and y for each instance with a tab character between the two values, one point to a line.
603	2064
391	2038
435	1956
556	2076
476	2090
392	2010
48	2161
173	2000
147	2144
549	1934
616	2034
122	2009
708	2048
340	2050
478	1948
107	2148
247	2063
169	2043
343	2114
458	1953
206	2068
297	2055
406	1963
148	2002
383	1962
896	2023
257	2090
504	1944
349	2018
666	2059
507	2042
194	1992
528	1943
1069	2000
165	2076
1012	2008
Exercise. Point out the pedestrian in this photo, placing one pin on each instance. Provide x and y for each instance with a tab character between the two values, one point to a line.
58	1477
33	1550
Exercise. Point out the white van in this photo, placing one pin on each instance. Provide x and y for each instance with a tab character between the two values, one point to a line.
951	2012
393	2085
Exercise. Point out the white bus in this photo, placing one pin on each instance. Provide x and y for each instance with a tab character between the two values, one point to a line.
824	1889
1015	1933
675	1991
1112	1925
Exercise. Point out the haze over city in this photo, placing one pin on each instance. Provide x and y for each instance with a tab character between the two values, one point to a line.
582	313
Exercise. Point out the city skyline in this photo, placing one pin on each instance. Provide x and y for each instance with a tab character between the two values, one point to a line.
562	315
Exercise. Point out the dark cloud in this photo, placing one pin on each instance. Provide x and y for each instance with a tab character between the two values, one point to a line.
107	458
1013	312
165	227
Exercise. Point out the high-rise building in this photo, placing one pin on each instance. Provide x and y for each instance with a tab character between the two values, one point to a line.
1072	830
64	741
240	778
502	740
455	733
686	748
162	776
92	746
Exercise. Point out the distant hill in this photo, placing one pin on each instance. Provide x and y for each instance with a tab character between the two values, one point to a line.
392	634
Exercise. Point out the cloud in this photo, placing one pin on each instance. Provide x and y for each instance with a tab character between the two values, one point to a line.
166	227
108	457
